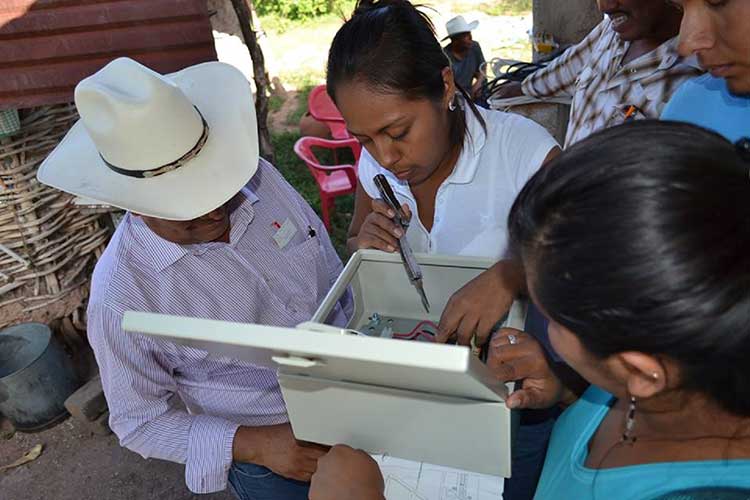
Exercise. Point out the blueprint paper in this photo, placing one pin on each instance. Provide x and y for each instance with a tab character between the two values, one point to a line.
409	480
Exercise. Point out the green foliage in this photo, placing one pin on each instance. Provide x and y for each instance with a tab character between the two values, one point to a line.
506	7
299	9
302	78
275	103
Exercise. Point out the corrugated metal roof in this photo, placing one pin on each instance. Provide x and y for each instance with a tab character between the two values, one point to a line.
47	46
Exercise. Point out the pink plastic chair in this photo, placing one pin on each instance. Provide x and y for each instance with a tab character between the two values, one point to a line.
332	180
323	109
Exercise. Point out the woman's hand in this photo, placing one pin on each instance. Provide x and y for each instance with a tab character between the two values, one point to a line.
347	474
524	359
379	230
477	307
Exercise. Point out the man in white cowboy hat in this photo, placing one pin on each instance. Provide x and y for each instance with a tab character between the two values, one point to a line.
212	231
466	55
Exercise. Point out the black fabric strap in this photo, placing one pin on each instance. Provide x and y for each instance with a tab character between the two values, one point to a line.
154	172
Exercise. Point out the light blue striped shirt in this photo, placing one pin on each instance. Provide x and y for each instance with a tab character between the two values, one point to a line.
250	279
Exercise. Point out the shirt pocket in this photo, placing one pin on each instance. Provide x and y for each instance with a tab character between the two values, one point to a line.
303	274
636	96
584	85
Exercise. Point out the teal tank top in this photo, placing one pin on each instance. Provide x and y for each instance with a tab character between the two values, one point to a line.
566	478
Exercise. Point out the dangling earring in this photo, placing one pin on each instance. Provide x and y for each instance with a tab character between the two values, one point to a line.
627	434
452	104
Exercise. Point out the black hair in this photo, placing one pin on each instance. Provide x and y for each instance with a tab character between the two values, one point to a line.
391	46
638	239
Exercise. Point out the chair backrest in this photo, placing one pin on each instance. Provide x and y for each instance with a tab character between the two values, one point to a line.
323	109
303	149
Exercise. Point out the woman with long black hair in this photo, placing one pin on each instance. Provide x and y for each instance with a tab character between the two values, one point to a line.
455	167
640	258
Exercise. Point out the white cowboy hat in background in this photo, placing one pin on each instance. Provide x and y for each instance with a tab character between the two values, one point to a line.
168	146
459	25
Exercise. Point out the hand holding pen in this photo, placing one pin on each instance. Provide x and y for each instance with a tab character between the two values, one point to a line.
380	230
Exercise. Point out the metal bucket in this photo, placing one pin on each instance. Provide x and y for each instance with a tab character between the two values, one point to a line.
36	377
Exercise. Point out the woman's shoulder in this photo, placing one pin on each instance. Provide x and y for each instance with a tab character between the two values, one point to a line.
507	132
591	407
504	123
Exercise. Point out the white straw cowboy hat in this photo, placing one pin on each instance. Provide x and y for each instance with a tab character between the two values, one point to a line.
459	25
173	147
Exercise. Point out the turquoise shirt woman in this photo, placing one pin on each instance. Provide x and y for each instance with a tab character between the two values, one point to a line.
566	476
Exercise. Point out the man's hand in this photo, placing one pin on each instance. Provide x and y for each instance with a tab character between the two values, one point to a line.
525	360
378	230
275	447
507	90
347	474
476	89
480	304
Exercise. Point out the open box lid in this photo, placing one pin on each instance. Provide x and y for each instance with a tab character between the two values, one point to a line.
329	353
379	283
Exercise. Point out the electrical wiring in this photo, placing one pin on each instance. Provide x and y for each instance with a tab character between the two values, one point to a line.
516	72
419	331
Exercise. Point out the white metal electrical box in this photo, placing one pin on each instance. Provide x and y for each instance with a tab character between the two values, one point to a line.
364	386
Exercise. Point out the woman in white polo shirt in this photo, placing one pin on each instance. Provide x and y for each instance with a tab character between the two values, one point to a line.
455	167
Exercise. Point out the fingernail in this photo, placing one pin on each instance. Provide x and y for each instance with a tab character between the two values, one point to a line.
391	213
512	403
391	249
399	232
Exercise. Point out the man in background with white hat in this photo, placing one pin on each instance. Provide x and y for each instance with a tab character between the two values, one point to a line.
467	59
212	231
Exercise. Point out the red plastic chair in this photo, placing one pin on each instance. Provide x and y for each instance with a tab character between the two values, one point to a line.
323	109
332	180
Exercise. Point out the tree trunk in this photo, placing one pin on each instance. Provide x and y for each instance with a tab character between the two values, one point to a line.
262	86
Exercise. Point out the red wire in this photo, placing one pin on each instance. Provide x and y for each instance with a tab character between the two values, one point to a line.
418	331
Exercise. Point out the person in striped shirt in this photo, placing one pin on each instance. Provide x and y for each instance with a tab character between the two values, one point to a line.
211	231
627	67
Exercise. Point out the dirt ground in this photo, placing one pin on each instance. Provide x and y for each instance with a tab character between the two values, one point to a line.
277	121
78	465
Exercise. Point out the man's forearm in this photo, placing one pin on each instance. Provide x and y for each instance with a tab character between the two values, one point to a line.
249	443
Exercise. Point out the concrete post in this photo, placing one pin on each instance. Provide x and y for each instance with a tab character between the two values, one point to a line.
567	20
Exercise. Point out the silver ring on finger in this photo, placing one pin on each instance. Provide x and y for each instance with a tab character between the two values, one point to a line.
512	339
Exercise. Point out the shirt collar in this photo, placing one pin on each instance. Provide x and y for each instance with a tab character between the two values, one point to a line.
666	54
670	56
468	161
163	253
